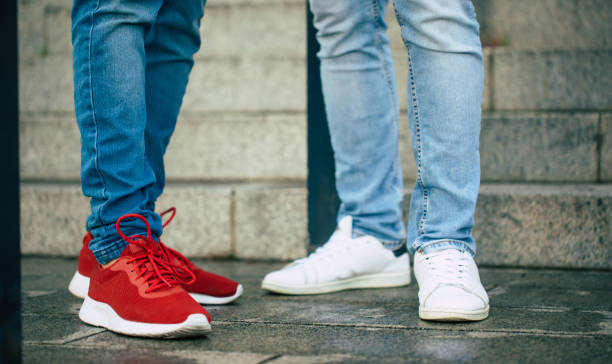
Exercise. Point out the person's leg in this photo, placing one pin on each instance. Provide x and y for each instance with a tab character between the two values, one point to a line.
138	292
170	45
444	97
367	249
362	110
444	100
109	77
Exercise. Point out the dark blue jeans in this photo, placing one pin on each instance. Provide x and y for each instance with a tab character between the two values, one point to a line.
132	60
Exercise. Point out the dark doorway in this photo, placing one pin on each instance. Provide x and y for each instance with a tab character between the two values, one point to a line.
323	199
10	319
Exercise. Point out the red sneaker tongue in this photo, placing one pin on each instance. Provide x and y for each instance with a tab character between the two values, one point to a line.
138	250
135	249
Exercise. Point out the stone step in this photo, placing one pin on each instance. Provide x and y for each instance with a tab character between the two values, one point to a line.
259	64
226	146
550	80
252	221
230	28
277	27
546	24
517	225
539	55
252	65
540	24
215	84
545	225
536	80
516	147
560	80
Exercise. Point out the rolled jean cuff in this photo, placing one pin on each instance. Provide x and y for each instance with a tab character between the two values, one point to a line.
442	244
393	245
107	247
111	251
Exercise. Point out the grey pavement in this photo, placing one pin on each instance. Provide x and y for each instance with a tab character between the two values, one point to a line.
539	316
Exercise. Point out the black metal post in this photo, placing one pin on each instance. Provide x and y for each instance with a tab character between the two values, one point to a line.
10	284
322	196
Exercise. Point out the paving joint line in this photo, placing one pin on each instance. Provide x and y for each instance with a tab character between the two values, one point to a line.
64	342
527	332
270	359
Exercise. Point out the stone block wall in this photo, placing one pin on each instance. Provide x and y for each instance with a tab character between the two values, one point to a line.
236	165
237	162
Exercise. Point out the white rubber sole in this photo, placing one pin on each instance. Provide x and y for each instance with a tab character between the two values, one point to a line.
212	300
79	285
378	280
448	314
101	314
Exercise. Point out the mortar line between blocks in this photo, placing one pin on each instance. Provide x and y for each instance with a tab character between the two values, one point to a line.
491	89
599	148
232	222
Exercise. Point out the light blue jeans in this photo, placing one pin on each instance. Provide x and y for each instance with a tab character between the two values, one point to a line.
445	87
132	60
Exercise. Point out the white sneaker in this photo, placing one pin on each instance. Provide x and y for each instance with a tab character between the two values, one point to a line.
342	263
449	287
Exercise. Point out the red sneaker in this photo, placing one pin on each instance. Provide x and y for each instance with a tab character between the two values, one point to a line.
79	284
140	295
208	288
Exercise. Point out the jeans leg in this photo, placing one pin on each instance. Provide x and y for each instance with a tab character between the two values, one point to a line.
444	97
362	109
169	45
109	77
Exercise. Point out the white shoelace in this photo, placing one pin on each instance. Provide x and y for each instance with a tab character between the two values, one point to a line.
447	266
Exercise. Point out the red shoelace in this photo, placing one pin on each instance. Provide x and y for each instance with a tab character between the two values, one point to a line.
154	263
184	269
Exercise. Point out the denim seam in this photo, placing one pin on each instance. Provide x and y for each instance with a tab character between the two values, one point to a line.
93	111
377	24
376	16
417	122
419	143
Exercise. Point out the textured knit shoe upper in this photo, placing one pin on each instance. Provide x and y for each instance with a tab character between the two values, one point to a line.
205	283
87	261
342	257
140	287
449	281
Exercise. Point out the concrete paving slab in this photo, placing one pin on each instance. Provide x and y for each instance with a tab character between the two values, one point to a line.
367	344
536	316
